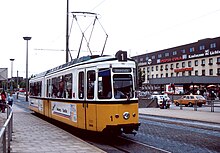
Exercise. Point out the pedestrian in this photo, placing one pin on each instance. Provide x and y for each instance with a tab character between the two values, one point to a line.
3	101
212	95
10	99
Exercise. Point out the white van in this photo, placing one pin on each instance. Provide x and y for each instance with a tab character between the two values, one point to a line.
160	100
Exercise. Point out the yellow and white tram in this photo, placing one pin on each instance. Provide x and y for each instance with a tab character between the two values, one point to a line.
93	93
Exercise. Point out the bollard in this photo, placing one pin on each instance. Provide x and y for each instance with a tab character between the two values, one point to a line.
195	106
181	106
212	106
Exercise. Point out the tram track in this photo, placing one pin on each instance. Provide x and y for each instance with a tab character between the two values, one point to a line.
108	143
182	122
124	144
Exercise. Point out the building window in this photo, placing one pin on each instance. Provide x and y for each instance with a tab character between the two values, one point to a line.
203	62
218	71
161	75
189	64
156	68
166	67
153	57
152	68
177	65
156	75
159	55
210	71
177	74
218	60
141	59
211	61
189	73
213	45
202	47
196	72
171	66
161	67
167	54
183	51
196	62
203	72
191	49
171	74
152	76
183	64
148	69
175	53
166	74
183	73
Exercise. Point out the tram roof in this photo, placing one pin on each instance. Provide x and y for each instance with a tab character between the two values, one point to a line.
80	61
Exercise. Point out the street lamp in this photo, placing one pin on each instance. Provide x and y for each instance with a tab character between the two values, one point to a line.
11	87
27	38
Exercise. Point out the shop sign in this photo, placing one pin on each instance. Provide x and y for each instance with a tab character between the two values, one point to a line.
142	64
207	53
166	60
183	69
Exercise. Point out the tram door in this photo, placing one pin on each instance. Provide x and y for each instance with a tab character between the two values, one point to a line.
81	111
91	87
86	93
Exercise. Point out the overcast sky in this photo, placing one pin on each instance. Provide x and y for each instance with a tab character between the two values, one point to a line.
136	26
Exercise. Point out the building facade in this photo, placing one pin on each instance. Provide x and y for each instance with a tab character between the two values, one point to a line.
196	64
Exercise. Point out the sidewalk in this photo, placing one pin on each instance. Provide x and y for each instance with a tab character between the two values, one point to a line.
34	135
212	117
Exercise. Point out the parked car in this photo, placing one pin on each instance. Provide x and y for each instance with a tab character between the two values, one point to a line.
190	100
160	99
143	94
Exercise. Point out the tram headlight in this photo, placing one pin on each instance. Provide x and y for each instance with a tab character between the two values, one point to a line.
126	115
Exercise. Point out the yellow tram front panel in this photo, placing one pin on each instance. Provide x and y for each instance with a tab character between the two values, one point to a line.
112	114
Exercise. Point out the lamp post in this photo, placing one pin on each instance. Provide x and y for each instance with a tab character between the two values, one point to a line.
11	87
27	38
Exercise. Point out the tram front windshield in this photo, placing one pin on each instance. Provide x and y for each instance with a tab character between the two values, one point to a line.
123	86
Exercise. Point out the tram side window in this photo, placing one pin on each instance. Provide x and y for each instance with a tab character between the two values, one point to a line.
81	85
104	84
49	88
68	85
35	88
62	86
90	84
47	93
55	86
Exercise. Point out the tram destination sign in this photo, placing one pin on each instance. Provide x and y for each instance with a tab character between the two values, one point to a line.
121	70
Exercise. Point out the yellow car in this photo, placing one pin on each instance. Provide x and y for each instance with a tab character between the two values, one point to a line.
190	100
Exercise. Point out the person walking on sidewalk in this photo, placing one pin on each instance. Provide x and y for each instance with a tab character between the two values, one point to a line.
3	101
10	99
